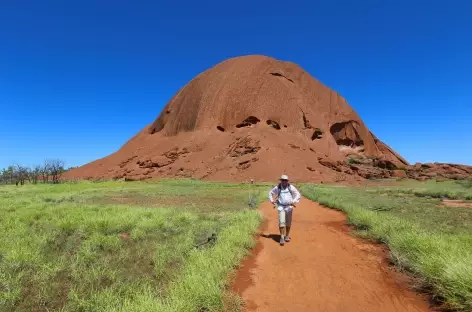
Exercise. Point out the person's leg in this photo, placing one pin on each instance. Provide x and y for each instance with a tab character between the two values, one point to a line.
288	224
282	230
282	220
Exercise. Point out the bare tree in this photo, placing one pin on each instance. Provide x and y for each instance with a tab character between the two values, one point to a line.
44	170
11	174
3	176
21	174
55	167
50	171
7	175
34	174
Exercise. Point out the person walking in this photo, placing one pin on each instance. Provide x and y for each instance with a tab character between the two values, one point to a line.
287	197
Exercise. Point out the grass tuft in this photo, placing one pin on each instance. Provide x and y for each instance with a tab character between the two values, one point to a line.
115	246
433	243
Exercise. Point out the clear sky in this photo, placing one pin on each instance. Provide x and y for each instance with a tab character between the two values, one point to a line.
79	78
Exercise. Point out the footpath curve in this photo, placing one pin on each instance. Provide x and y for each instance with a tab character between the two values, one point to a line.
322	269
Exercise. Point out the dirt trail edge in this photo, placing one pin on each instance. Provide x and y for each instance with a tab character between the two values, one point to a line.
323	268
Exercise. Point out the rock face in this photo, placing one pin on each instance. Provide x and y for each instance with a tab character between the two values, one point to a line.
439	171
249	116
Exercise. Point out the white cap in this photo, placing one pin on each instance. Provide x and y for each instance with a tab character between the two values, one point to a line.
283	177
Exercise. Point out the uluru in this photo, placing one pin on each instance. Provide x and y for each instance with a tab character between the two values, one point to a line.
253	117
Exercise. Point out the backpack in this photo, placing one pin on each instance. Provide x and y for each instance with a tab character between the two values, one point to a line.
279	188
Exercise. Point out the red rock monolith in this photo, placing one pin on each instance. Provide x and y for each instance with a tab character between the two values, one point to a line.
248	117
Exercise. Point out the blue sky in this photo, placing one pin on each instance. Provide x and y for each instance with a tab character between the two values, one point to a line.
79	78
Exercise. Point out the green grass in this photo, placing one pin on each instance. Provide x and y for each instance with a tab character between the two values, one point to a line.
433	243
354	161
450	189
123	246
467	183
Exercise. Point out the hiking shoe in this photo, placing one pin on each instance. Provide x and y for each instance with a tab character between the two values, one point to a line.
282	241
287	238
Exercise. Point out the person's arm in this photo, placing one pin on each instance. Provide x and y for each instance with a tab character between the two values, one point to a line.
297	197
271	193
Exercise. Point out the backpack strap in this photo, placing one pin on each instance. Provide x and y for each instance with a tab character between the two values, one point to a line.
279	187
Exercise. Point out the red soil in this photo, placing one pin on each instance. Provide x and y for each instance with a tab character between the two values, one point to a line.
456	203
323	268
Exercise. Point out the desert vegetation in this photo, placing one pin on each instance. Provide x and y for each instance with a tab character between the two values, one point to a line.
431	241
49	172
171	245
123	246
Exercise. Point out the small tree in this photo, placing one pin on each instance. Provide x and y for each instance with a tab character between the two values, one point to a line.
35	173
3	176
10	174
50	171
56	167
21	174
44	171
7	175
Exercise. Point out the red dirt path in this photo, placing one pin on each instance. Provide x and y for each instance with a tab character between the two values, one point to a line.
456	203
323	269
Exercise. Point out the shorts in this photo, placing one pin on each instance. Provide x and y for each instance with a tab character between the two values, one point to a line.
285	217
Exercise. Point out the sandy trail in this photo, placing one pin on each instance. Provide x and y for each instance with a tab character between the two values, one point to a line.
323	269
